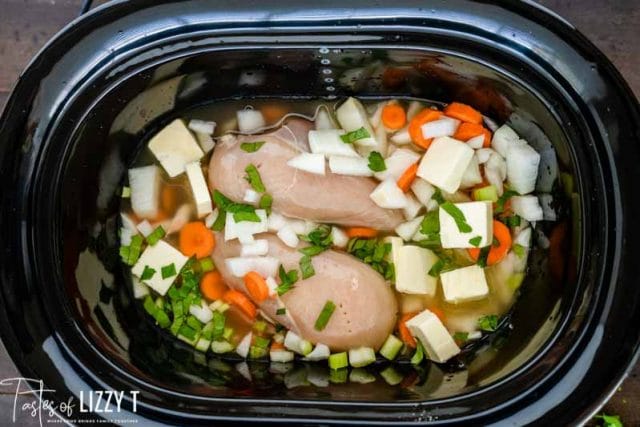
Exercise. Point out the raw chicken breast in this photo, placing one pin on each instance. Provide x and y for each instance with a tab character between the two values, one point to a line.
335	199
366	307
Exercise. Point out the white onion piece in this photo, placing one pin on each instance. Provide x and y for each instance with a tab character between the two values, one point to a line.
265	266
145	228
397	164
243	350
401	137
202	126
445	126
288	236
259	247
503	138
527	207
250	120
522	168
352	166
476	142
201	312
483	154
339	237
495	170
471	175
308	162
251	196
388	195
145	191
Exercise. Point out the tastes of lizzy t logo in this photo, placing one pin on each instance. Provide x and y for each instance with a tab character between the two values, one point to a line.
30	400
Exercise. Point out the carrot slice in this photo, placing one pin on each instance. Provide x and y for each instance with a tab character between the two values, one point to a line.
498	251
393	116
196	239
277	346
466	131
405	334
463	112
361	232
241	301
407	177
256	286
211	285
415	126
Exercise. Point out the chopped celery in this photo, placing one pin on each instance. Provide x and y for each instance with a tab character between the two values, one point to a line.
339	376
203	344
149	305
228	332
362	356
207	331
282	356
261	342
160	303
176	325
338	360
260	326
162	319
488	193
391	376
194	323
126	192
156	235
391	347
221	347
256	352
206	264
218	324
417	357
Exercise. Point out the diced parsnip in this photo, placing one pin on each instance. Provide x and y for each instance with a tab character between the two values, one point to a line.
401	137
339	237
250	120
259	247
243	347
145	228
319	352
396	243
353	166
281	356
476	142
202	126
445	162
361	356
308	162
202	312
237	230
464	284
478	215
397	164
527	207
423	190
199	189
522	168
434	337
288	236
472	175
145	191
296	344
157	256
503	138
412	270
324	120
483	155
406	230
388	195
182	217
445	126
140	290
263	265
410	303
548	212
495	170
413	207
328	142
175	147
251	196
352	116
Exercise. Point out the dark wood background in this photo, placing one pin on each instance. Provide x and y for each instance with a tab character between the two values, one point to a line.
613	25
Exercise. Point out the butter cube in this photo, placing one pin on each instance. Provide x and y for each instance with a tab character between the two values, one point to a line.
157	256
464	284
435	338
412	271
175	147
478	215
445	163
199	189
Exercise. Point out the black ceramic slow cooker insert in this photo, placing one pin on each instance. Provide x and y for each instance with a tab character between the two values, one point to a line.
86	103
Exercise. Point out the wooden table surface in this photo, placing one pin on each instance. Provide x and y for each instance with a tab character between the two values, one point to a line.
613	25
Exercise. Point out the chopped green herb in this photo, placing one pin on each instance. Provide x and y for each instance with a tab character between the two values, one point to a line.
324	316
376	162
253	178
221	219
519	250
436	268
488	323
261	342
418	355
134	249
475	241
281	311
147	273
461	337
248	215
251	147
287	280
373	252
206	264
431	242
150	305
610	420
457	216
321	236
168	271
194	323
512	221
265	201
240	211
156	235
124	254
312	250
484	254
430	223
502	200
260	326
187	332
353	136
306	267
163	319
437	196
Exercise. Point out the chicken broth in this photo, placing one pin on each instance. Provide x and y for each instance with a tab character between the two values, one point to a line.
345	232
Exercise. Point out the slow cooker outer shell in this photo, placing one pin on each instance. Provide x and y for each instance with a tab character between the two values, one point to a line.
604	346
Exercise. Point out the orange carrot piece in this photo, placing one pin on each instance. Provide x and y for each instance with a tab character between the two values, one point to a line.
407	177
212	286
256	286
196	239
498	251
393	116
463	112
405	334
415	126
241	301
277	346
365	232
466	131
